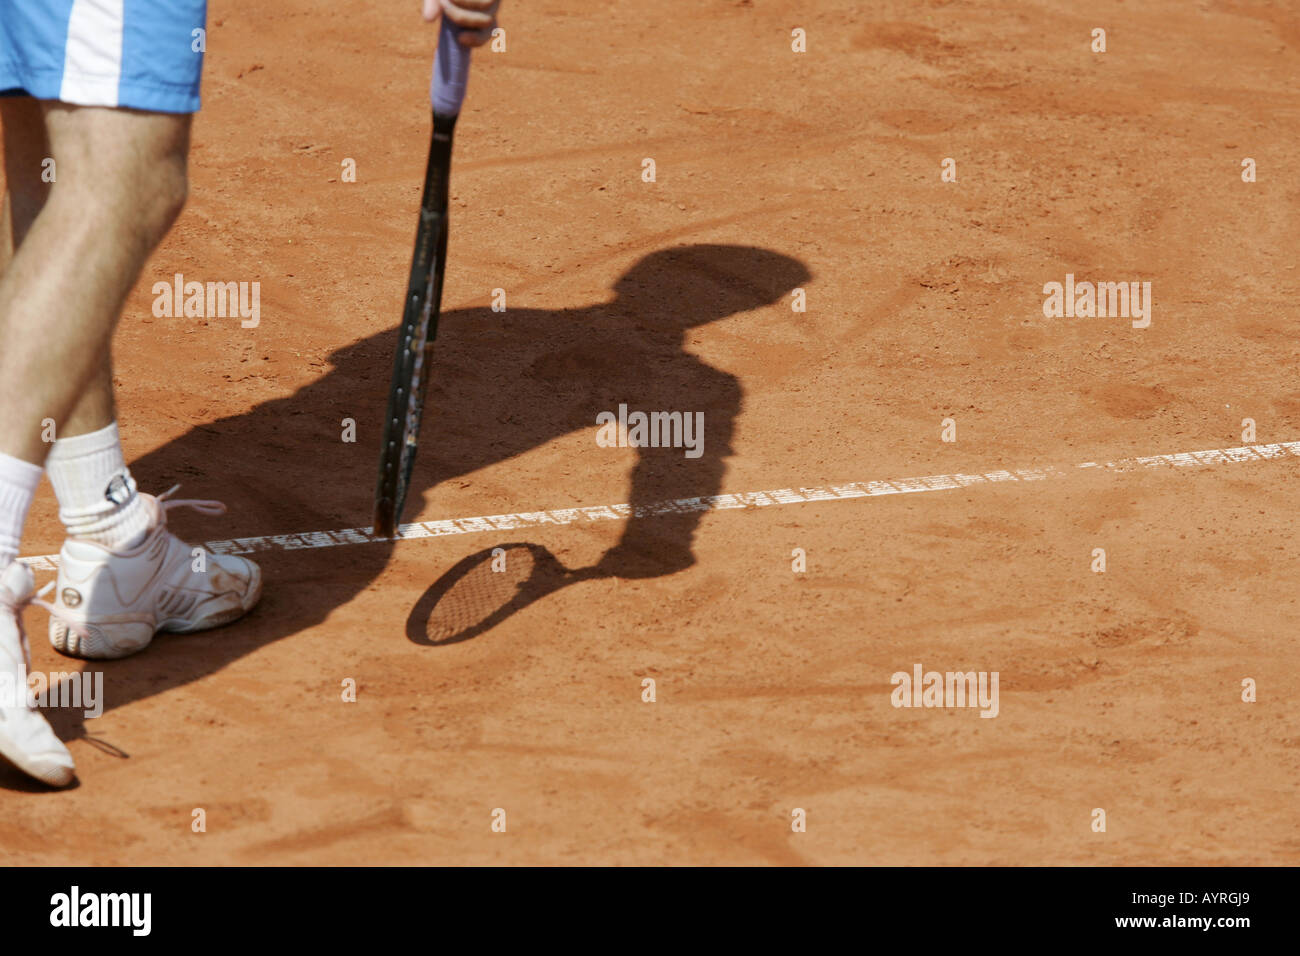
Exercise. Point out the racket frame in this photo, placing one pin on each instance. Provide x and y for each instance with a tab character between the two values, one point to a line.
415	337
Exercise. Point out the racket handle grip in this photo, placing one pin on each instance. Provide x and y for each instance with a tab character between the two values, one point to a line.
450	71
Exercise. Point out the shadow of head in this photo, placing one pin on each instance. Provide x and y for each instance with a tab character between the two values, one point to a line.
667	291
692	285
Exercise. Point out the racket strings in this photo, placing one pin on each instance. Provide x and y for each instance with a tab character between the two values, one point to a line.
487	587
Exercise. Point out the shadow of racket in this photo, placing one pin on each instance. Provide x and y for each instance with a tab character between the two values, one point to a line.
480	591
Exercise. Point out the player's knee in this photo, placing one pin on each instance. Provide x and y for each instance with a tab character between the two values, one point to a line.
125	174
138	207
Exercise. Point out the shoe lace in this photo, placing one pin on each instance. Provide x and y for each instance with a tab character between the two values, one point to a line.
203	506
16	605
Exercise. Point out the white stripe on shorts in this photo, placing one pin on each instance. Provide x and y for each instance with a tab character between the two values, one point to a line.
92	66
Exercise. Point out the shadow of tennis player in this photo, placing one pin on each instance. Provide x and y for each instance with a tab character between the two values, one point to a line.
503	384
506	383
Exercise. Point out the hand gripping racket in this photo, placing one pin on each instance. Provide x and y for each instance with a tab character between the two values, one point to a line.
423	291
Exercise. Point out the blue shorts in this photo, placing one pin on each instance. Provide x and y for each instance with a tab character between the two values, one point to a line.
140	54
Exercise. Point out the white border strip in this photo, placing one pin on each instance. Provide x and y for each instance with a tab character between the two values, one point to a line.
756	499
92	61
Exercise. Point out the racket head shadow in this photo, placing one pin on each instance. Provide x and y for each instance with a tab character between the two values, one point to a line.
482	590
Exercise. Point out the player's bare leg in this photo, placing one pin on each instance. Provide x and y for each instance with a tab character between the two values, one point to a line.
27	178
120	183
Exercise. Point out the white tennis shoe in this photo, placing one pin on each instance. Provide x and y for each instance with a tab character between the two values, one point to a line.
26	738
111	603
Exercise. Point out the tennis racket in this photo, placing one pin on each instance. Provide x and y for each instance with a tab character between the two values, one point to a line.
419	326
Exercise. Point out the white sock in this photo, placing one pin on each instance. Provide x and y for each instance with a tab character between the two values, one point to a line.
18	481
97	496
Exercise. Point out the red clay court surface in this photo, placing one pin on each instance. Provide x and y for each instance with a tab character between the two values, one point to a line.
821	170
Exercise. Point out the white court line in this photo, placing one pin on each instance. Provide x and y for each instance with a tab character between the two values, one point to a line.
755	499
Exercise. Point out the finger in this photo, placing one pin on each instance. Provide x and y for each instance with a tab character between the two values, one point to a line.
475	37
469	19
430	10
